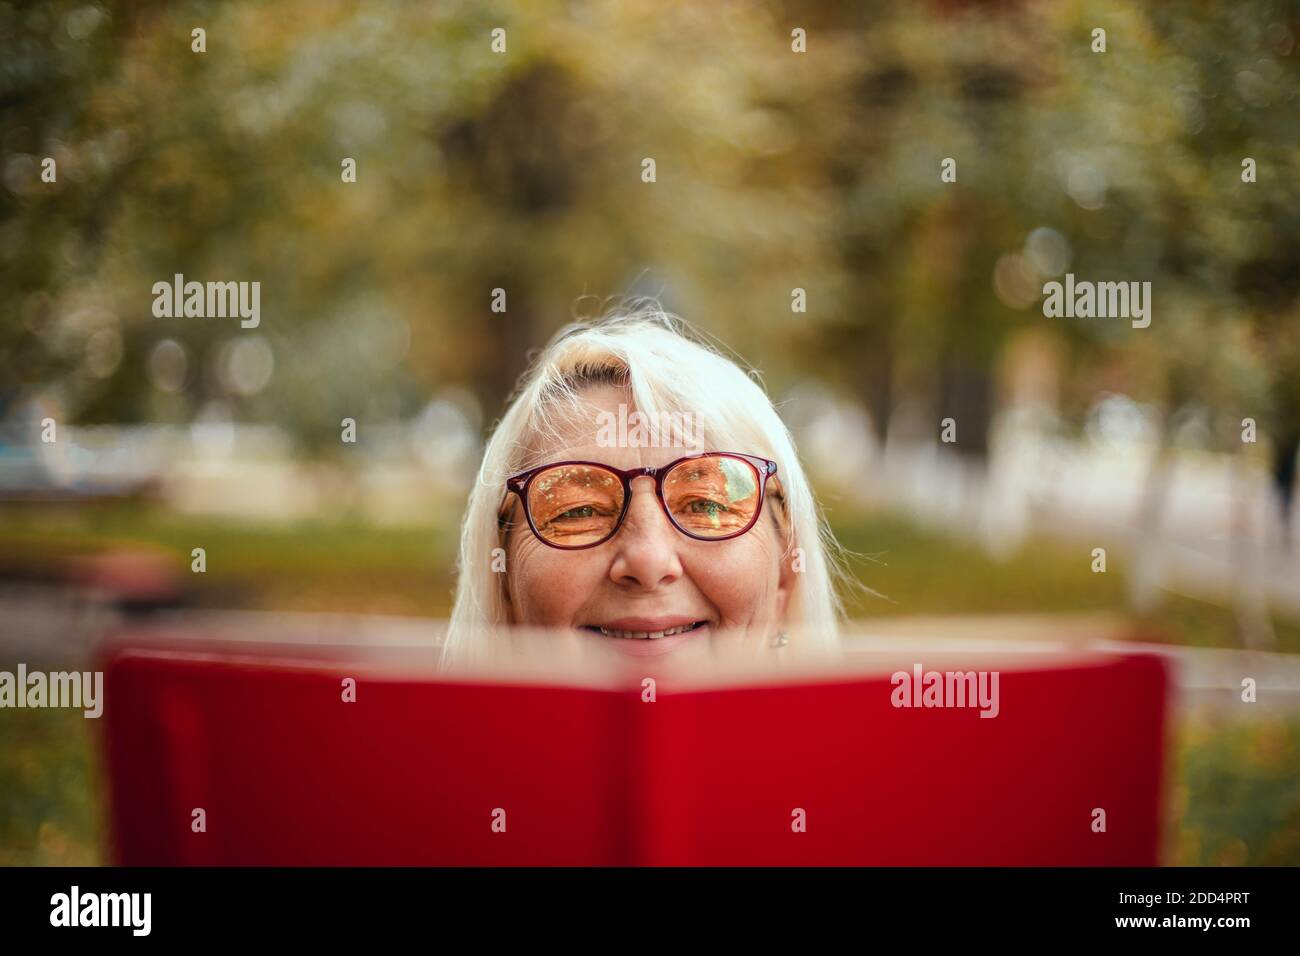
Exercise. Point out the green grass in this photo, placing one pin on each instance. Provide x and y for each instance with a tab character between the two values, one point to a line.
51	802
916	571
348	566
1236	797
342	566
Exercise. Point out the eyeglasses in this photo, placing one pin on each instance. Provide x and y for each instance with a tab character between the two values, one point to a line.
712	496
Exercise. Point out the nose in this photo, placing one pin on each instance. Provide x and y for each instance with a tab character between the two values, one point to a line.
645	548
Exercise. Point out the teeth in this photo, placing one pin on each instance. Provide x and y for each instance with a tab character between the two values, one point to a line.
646	635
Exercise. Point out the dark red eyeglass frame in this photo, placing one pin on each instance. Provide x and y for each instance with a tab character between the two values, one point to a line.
519	484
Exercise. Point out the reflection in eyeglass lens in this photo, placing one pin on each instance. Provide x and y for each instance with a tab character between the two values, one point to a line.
573	505
712	497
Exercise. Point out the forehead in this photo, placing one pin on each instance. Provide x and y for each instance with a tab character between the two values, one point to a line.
604	425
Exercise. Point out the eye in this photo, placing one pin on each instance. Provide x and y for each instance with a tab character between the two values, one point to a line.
706	506
582	511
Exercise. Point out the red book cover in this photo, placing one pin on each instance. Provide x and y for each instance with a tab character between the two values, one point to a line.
807	769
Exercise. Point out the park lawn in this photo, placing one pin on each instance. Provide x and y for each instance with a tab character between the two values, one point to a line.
51	794
341	566
364	568
917	571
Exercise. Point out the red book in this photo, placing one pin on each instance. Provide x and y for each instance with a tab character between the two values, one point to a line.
808	768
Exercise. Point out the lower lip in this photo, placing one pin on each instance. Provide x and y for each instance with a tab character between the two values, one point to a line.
652	647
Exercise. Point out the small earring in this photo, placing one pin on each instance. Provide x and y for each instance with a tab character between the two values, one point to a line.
782	639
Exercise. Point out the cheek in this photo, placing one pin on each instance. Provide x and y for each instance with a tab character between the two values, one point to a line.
739	581
548	586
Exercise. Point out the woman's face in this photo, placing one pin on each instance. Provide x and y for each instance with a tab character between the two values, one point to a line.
649	577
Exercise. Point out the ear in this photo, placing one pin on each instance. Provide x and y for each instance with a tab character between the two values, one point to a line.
788	579
785	586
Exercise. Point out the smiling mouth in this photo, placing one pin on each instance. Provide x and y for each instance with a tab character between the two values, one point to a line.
644	635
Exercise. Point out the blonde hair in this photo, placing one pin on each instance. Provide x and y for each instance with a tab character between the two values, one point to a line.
668	368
